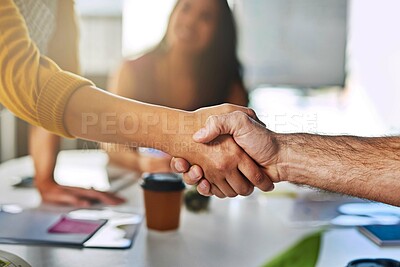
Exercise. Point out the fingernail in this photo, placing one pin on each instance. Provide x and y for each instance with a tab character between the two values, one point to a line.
200	134
202	186
194	174
179	166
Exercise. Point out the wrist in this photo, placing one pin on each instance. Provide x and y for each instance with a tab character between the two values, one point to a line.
166	129
283	157
180	141
44	182
294	165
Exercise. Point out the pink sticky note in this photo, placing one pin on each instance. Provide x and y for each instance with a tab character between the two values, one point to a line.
70	226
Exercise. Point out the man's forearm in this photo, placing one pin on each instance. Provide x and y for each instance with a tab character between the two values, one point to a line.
363	167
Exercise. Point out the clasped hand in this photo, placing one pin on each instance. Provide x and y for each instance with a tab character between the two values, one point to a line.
237	154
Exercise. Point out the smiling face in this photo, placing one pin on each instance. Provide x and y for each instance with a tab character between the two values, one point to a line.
192	25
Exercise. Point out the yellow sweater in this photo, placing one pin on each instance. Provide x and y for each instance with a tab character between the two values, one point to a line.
32	86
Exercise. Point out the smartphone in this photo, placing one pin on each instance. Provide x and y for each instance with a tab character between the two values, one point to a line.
382	235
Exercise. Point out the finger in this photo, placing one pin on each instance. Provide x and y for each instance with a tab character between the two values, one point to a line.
226	189
204	188
179	165
193	176
240	184
216	125
248	111
113	197
254	174
252	114
65	199
216	191
97	196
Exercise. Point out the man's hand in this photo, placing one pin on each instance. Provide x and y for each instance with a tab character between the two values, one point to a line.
52	192
257	141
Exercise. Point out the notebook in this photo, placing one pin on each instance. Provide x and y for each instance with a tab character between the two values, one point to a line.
38	227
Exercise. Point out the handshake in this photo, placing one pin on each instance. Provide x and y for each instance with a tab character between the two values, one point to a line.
237	153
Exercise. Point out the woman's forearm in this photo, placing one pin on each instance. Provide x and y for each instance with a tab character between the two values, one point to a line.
122	156
93	114
358	166
43	147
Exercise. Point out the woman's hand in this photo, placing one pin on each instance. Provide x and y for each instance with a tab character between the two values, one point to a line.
54	193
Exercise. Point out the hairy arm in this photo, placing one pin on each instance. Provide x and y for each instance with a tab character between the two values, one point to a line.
358	166
366	167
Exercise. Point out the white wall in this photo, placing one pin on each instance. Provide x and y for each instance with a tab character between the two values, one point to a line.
374	55
100	35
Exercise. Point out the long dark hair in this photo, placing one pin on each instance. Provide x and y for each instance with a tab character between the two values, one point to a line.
218	67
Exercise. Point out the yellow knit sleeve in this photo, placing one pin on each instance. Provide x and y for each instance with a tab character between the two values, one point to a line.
32	86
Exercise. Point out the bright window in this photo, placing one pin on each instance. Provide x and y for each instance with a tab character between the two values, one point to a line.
144	24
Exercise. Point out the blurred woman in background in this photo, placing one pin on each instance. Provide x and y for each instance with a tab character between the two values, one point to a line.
194	65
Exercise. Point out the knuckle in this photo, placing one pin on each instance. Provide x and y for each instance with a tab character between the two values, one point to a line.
242	117
258	179
213	119
239	113
226	107
221	165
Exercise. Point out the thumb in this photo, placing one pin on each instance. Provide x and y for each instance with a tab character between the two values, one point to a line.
216	125
252	114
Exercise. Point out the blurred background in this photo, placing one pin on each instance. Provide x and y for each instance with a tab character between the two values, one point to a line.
327	66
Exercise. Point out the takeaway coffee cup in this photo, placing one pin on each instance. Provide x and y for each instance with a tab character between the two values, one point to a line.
163	200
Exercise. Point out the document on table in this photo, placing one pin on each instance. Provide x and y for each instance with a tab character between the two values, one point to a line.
80	228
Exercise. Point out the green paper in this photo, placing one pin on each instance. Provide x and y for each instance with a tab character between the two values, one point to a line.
303	254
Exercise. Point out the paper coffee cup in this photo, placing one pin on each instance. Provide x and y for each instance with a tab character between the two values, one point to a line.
163	200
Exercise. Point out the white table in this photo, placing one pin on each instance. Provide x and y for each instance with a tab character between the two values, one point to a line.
235	232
